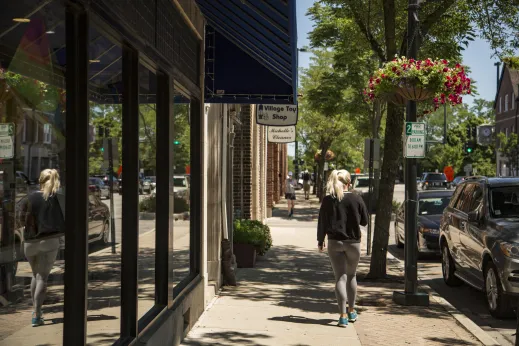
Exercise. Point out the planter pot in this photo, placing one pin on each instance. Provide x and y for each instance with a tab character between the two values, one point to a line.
411	92
245	255
146	216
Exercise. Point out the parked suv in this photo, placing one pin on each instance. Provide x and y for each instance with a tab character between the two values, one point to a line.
431	181
479	240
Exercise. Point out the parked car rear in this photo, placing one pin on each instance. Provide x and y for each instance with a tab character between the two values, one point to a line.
432	181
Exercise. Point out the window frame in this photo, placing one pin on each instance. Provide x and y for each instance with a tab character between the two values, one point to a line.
506	103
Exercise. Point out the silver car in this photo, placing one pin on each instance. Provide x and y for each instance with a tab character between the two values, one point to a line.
479	240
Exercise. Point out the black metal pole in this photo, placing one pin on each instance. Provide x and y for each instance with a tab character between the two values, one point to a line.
296	166
497	64
444	123
370	192
411	296
112	211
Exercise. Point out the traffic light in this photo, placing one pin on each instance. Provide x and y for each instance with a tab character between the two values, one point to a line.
176	142
469	147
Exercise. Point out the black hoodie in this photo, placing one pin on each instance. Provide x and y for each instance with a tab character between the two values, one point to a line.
342	220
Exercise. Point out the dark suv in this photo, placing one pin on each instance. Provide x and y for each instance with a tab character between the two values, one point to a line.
479	240
431	181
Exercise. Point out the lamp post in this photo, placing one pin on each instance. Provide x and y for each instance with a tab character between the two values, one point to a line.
411	296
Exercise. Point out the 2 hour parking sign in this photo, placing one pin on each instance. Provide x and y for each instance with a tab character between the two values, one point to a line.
276	115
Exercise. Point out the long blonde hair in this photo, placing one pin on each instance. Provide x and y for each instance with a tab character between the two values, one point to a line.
49	182
336	182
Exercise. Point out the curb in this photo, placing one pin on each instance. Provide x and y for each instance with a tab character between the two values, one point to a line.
460	318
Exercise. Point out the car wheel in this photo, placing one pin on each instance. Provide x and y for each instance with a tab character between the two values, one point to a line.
498	303
448	267
398	243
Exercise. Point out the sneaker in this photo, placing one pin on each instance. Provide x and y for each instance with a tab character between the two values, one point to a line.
352	316
37	321
343	322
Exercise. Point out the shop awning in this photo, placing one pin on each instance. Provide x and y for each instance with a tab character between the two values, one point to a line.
251	51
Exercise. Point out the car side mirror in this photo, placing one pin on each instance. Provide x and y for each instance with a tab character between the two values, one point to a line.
473	216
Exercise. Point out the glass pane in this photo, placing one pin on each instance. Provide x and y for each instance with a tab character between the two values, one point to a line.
105	200
147	204
181	182
32	147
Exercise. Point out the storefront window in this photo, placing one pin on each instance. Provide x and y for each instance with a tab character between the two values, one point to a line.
181	182
32	142
148	188
105	190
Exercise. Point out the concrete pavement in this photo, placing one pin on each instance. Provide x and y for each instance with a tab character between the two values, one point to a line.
288	299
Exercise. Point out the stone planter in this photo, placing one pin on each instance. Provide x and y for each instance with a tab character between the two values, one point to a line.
245	255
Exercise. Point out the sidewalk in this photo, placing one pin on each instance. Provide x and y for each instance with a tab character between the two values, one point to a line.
288	299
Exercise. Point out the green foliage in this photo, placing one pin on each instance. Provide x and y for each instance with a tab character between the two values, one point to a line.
180	205
452	153
254	233
512	62
148	205
509	149
395	206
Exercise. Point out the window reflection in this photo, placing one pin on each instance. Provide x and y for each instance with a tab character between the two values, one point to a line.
147	198
32	140
181	182
105	188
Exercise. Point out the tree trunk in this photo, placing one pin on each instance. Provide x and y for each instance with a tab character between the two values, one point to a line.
392	148
322	159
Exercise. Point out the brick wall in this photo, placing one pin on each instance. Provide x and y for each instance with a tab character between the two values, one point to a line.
242	183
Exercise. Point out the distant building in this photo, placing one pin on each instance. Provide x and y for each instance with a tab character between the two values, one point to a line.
505	107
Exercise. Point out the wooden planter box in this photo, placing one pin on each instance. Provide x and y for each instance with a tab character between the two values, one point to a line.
245	255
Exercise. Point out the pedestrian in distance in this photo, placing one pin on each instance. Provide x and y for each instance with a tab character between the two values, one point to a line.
290	193
44	224
340	217
306	184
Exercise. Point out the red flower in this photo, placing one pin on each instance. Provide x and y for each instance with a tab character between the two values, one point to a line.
445	62
377	81
394	68
445	69
411	61
383	75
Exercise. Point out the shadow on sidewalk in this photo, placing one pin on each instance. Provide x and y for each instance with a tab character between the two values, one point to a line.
226	338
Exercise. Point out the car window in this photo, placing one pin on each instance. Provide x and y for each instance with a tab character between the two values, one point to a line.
456	195
363	182
436	177
179	182
467	198
432	205
476	199
504	201
92	200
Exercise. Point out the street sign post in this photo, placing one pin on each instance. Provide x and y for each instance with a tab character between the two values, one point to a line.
414	143
467	169
276	115
6	141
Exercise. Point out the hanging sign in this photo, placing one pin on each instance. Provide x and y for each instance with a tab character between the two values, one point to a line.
6	141
276	115
414	140
281	134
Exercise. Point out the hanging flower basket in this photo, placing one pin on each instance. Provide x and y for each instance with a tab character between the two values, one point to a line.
330	155
412	92
395	98
435	81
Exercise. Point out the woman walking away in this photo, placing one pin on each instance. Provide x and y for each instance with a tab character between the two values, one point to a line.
44	224
340	217
290	193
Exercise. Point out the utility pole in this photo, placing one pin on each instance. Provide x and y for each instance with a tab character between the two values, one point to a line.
411	296
497	64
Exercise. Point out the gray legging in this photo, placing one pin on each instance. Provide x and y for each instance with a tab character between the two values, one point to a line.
345	258
41	256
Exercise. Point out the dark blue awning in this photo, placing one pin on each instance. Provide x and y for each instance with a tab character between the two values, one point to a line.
251	51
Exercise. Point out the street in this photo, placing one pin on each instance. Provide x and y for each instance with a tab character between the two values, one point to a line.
469	301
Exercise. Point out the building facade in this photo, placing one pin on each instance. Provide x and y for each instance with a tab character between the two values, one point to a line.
172	84
506	107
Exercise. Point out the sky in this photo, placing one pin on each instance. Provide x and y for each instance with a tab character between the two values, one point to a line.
478	56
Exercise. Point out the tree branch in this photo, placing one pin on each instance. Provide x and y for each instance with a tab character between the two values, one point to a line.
436	15
377	48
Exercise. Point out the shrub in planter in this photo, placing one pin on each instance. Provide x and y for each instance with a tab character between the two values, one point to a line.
180	205
148	205
254	233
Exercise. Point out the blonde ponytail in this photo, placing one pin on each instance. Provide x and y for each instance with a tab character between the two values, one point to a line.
49	182
336	182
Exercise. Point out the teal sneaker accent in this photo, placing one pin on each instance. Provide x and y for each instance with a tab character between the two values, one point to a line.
37	321
343	322
352	316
